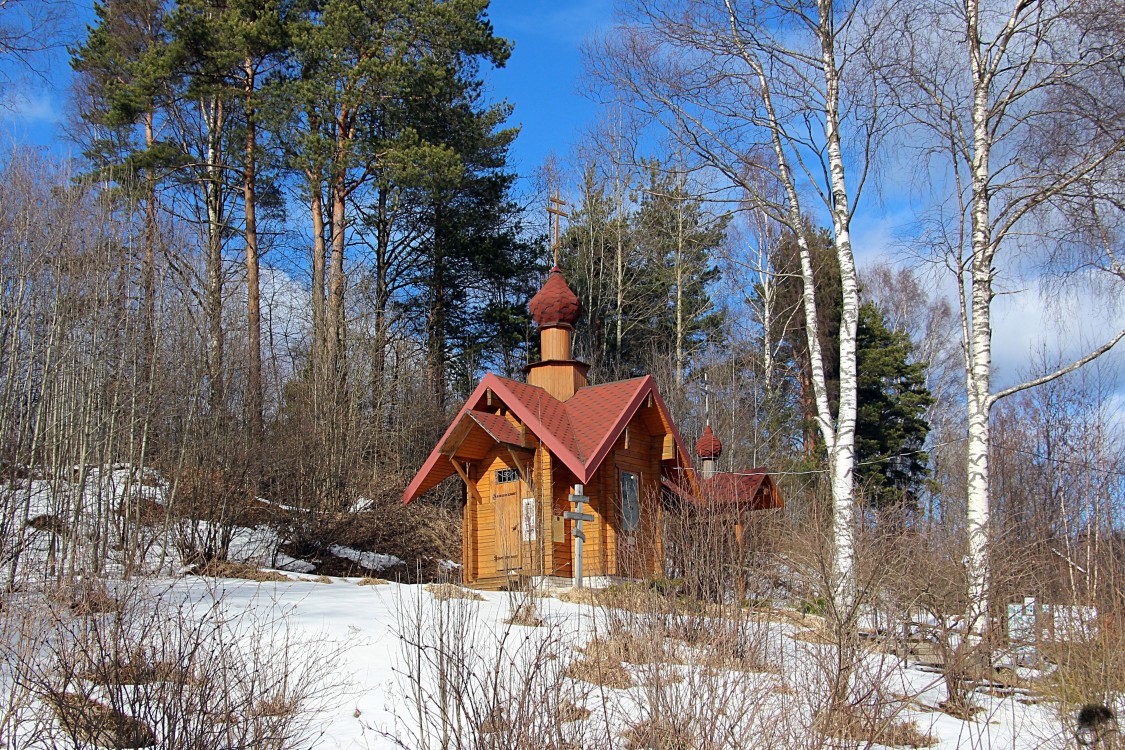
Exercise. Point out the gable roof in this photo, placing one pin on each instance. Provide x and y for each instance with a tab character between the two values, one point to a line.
580	432
753	490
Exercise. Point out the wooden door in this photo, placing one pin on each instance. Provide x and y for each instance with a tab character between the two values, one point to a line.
507	501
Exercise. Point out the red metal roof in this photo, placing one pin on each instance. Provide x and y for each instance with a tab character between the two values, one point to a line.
709	446
579	432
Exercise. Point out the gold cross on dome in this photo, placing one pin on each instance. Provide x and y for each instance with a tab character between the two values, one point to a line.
555	205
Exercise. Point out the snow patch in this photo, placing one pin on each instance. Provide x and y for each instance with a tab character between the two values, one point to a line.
371	560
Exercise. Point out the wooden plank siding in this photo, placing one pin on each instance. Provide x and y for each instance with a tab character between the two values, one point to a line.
639	450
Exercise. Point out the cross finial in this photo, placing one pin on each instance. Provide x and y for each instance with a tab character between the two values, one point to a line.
555	205
706	400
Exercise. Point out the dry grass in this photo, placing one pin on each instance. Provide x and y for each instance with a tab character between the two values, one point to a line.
578	596
659	734
89	722
730	659
88	597
495	722
370	581
851	726
640	598
142	510
421	534
525	615
47	522
278	704
621	645
604	672
788	617
322	579
722	650
243	571
569	711
810	635
446	591
135	671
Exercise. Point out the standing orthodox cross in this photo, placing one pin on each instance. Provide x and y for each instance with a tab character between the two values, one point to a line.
555	205
579	536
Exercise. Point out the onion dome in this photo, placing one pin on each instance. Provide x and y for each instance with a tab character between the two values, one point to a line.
555	304
708	446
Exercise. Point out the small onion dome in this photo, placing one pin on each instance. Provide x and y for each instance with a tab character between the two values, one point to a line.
708	445
555	304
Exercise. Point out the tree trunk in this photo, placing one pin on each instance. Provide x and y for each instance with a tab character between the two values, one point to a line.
842	454
254	396
213	112
436	333
148	263
382	293
334	323
319	253
679	271
979	367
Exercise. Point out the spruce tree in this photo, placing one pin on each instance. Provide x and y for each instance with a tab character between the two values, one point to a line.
891	427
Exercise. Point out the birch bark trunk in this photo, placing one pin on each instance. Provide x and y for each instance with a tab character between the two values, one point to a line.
842	456
839	441
978	323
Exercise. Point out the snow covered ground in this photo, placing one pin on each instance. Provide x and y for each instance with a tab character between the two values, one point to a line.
372	626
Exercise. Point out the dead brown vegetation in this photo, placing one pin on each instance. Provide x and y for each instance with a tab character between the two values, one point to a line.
243	571
447	591
660	734
88	721
852	724
607	673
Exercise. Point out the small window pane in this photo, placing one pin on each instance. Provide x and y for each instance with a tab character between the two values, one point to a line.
630	501
506	475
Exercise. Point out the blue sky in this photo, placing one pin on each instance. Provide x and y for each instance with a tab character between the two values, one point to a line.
543	76
541	79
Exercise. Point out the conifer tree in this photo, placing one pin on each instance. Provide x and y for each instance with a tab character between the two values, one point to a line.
359	66
678	240
233	47
127	66
890	421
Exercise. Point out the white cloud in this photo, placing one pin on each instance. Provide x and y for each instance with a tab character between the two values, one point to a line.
29	109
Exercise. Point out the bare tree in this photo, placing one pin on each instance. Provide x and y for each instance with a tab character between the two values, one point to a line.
1009	99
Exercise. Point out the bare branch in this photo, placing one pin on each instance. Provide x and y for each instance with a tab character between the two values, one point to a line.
1057	373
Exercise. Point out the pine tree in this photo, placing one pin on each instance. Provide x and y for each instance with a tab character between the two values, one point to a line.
233	47
127	67
361	69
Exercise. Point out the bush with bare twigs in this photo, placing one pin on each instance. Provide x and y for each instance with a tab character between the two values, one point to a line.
166	667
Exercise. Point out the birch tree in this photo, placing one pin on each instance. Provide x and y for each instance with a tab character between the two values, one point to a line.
1010	100
753	88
